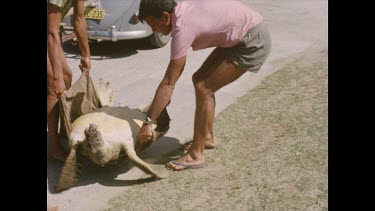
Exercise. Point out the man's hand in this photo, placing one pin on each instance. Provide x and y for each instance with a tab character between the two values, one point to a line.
58	86
85	65
145	133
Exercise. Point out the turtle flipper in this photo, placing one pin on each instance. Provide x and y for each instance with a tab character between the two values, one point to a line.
70	171
137	161
161	129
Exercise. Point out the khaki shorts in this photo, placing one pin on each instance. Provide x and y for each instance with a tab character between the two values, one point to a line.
252	51
64	6
58	3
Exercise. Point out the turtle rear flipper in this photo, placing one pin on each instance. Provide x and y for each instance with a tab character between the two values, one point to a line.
70	171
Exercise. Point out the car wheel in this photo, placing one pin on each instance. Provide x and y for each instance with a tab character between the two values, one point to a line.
159	40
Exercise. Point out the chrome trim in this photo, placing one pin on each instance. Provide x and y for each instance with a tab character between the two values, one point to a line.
95	4
114	35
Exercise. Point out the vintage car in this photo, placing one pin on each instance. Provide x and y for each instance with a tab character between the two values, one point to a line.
113	20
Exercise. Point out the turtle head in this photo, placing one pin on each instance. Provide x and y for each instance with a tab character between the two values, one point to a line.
99	151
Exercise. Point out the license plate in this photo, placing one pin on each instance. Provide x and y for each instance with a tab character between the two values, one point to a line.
94	13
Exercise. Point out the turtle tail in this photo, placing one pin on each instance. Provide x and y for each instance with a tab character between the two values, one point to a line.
70	172
100	152
94	137
137	161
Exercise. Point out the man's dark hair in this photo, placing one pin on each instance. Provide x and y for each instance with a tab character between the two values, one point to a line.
155	8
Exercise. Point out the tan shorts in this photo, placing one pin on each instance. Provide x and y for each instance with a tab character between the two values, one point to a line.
58	3
252	51
64	6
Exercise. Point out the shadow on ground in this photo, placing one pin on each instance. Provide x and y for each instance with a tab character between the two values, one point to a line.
108	49
156	155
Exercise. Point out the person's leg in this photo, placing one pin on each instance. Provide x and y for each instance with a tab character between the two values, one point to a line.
216	72
55	149
68	82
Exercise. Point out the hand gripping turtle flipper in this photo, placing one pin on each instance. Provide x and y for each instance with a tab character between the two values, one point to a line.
162	127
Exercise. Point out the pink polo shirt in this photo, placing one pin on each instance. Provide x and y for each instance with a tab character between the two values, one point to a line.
208	23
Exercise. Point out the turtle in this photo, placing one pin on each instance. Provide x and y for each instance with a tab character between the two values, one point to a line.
106	136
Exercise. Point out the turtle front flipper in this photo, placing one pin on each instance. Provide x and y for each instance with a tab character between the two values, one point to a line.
161	129
70	171
162	126
137	161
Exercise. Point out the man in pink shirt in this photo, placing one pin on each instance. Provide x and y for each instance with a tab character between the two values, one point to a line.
242	44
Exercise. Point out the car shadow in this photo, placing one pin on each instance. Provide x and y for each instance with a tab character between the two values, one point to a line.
108	49
156	155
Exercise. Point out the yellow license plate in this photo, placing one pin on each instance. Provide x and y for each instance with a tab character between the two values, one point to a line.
94	13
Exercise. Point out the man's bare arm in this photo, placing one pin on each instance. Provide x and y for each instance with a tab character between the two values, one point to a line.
80	29
54	49
166	87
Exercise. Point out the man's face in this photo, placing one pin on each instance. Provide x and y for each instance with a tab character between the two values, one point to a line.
159	24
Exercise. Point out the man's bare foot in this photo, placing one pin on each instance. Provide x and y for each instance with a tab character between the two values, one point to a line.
208	145
185	162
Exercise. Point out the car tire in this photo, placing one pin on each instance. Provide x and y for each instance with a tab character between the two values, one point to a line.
159	40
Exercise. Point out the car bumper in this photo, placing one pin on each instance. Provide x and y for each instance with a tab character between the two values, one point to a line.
114	35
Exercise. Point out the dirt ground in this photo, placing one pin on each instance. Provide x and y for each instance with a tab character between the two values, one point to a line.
273	152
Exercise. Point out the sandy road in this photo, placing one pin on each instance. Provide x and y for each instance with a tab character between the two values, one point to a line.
134	71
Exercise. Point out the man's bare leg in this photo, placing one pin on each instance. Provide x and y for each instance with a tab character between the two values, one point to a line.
210	141
57	54
55	149
216	72
68	82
